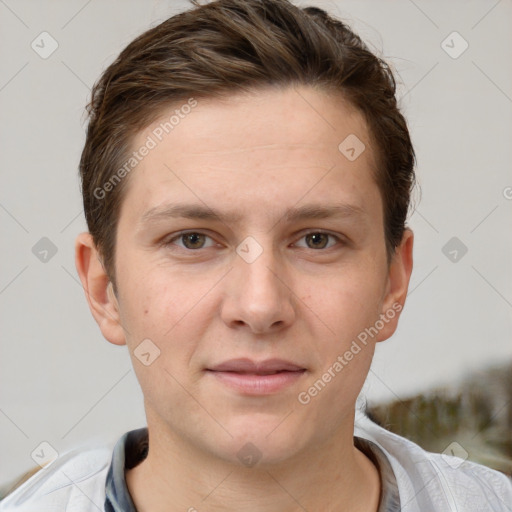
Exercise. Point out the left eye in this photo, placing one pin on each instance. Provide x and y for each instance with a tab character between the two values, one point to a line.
318	240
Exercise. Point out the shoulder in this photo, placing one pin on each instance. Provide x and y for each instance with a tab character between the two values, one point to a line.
74	478
438	482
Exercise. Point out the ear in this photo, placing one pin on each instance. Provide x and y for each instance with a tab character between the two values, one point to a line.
399	274
98	289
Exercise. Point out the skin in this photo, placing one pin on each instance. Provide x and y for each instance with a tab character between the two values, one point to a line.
258	155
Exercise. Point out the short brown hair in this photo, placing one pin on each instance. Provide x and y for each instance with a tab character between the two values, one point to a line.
229	46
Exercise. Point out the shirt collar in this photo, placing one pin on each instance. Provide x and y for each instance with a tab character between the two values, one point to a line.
389	495
132	448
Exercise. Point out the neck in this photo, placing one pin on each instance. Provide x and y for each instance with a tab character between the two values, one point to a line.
178	477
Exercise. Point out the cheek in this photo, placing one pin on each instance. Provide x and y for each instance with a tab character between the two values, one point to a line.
346	306
345	350
169	310
152	300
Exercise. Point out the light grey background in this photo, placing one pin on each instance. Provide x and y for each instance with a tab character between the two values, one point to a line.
61	382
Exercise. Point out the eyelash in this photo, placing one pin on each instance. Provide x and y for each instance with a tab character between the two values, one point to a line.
168	242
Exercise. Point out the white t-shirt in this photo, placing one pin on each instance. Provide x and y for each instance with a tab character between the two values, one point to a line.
413	480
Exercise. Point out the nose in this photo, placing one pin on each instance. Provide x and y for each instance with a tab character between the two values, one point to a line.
258	294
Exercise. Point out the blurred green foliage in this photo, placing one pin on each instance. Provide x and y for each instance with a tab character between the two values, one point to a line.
477	414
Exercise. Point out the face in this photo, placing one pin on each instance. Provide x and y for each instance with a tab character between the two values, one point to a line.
249	244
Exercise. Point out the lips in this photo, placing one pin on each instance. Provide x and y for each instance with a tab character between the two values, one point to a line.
247	366
249	377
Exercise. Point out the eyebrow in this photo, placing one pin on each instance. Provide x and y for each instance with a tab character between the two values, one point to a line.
203	212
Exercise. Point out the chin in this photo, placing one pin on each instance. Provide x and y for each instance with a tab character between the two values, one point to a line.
265	441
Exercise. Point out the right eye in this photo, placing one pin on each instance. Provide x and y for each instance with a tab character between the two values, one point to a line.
191	240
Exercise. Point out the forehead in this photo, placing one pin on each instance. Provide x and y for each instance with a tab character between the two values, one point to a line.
266	148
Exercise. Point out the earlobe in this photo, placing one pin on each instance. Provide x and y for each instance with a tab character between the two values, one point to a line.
399	275
98	289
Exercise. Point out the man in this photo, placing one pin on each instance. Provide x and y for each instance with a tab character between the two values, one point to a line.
246	180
